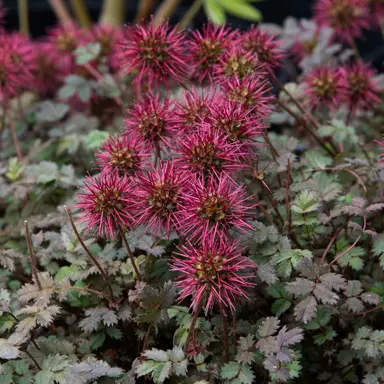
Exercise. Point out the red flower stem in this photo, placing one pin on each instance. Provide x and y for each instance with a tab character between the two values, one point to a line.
330	245
61	11
146	338
144	9
287	200
93	259
32	358
371	310
225	333
32	257
234	338
13	132
355	49
127	247
191	330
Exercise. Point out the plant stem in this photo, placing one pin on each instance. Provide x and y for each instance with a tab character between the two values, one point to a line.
144	10
93	259
32	358
126	245
146	338
165	10
225	333
330	245
13	132
23	17
355	49
287	200
32	257
113	13
61	11
190	14
80	11
234	338
191	330
371	310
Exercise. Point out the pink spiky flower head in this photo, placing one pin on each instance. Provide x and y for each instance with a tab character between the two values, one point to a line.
157	197
207	151
213	273
252	92
104	202
214	207
62	41
122	153
237	63
151	120
264	45
155	52
207	46
376	8
17	63
192	111
236	122
381	160
362	90
324	87
348	18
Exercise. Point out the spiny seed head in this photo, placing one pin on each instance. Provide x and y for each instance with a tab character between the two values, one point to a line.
123	153
104	202
213	271
155	53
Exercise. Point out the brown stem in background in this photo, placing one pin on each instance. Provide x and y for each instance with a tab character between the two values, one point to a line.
126	245
371	310
287	200
190	14
93	259
355	49
32	358
61	11
23	17
225	333
113	13
191	331
144	9
13	131
330	245
80	10
32	257
234	338
146	338
166	9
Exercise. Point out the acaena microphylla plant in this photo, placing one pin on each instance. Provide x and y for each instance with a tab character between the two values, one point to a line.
214	207
213	273
125	154
324	87
151	120
154	54
360	86
348	18
207	151
265	45
206	48
156	197
105	204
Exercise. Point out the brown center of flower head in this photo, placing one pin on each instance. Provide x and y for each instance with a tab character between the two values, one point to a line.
231	127
324	86
66	42
259	47
151	126
342	13
125	159
214	208
357	83
204	156
153	50
193	113
107	200
240	66
106	43
163	199
209	266
209	52
240	95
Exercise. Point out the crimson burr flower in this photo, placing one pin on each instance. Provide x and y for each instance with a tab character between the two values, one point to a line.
157	196
190	113
104	201
348	18
264	45
207	46
235	121
213	273
17	63
151	120
237	63
213	207
207	151
123	153
324	87
251	92
155	53
362	91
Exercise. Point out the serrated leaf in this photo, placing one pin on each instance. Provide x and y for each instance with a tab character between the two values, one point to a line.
306	309
300	287
354	305
8	351
230	370
269	327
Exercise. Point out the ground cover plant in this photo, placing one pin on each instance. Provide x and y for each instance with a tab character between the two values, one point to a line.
171	212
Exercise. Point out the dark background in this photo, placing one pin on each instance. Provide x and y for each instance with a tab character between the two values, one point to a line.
274	11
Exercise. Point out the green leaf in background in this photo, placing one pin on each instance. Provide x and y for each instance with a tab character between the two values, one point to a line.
95	139
214	12
241	8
